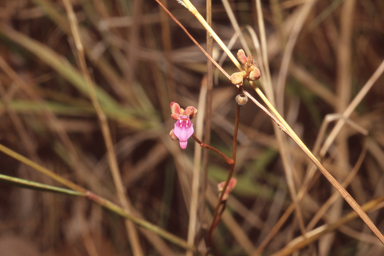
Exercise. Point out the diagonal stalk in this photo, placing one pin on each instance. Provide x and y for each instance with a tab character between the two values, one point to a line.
347	197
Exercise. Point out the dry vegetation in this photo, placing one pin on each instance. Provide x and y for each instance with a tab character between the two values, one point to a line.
140	61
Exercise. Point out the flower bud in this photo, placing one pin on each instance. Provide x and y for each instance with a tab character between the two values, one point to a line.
172	135
241	56
254	74
231	185
237	77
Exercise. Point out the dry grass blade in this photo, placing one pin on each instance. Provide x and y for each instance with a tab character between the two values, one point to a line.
193	221
333	198
352	106
317	233
281	80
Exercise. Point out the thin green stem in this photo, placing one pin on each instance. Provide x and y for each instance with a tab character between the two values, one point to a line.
99	200
41	169
120	211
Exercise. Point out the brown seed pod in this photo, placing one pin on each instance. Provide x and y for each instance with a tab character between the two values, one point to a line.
241	99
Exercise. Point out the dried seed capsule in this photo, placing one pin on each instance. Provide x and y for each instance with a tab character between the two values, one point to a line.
241	99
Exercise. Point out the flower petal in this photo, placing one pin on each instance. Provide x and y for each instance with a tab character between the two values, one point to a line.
183	129
183	144
190	111
175	110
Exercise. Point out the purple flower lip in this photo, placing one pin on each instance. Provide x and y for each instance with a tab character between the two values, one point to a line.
183	130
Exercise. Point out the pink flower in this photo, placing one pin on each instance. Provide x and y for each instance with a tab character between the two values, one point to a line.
231	185
183	127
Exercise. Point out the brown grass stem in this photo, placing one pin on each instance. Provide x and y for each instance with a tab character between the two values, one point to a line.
235	25
263	39
117	84
193	39
284	67
167	44
121	192
351	107
200	18
336	195
207	119
343	93
270	91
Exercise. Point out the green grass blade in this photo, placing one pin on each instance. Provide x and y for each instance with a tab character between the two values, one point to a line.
38	186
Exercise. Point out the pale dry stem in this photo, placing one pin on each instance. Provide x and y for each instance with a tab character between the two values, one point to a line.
193	221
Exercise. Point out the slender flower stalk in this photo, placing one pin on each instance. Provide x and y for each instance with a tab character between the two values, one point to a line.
203	145
218	213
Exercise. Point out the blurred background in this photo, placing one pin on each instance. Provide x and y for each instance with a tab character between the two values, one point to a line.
141	61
